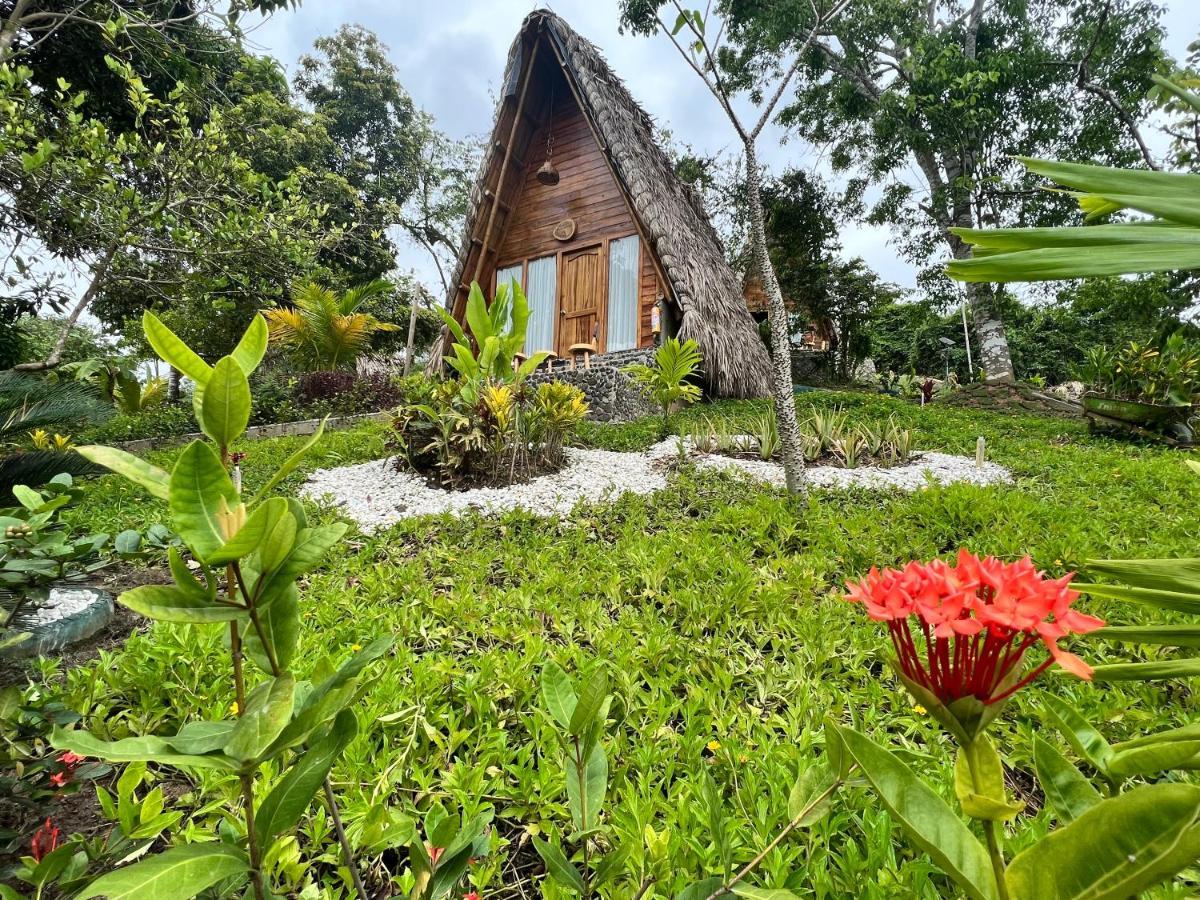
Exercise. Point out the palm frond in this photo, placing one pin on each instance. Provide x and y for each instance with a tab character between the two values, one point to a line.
36	467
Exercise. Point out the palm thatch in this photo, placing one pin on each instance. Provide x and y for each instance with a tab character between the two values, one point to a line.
706	292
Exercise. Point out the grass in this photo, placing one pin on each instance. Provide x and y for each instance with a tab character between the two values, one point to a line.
716	606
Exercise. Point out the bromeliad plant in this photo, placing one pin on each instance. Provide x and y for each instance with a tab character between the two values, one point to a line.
961	635
250	550
667	382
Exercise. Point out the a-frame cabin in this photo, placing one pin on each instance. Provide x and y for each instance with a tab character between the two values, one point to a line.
577	202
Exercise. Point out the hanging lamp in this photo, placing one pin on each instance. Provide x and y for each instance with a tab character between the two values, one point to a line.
547	174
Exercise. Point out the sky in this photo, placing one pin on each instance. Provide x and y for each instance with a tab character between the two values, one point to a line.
450	56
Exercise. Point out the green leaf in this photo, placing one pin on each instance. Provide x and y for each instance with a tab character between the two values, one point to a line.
558	866
741	889
176	874
308	551
925	817
979	782
1079	733
1180	575
476	315
587	798
201	497
1154	758
285	804
591	699
253	346
265	520
201	737
1147	671
1178	601
701	890
1115	850
267	712
1067	792
1166	635
226	403
136	749
154	480
173	351
280	624
558	693
168	603
812	795
290	464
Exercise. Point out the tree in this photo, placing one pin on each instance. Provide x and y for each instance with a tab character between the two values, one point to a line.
162	206
377	137
704	54
954	88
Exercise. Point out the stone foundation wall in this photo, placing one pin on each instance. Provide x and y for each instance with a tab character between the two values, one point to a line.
609	392
811	365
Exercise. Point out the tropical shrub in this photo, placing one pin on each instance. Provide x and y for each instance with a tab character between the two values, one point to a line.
1166	374
324	332
249	550
487	426
116	378
666	383
28	403
978	619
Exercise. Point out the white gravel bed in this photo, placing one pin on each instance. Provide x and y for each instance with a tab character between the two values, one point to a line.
375	494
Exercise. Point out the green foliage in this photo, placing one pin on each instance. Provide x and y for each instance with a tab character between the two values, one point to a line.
1169	374
710	605
666	383
248	556
324	332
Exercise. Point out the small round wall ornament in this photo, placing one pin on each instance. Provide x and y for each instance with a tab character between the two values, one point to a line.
565	230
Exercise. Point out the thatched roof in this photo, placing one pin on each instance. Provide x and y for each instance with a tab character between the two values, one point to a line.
670	214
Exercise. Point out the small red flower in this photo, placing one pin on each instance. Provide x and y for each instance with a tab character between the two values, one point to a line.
435	853
472	895
978	617
60	779
45	840
71	760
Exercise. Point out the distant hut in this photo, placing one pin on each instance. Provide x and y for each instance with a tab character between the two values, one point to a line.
578	203
818	335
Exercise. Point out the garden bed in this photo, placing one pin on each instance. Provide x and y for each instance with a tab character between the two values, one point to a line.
376	494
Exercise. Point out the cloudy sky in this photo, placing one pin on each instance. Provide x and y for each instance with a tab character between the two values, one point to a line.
450	56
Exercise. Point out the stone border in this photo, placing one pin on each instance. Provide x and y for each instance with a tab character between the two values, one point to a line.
258	432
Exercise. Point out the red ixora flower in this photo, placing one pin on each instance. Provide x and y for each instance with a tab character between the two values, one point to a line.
69	761
472	895
978	617
45	840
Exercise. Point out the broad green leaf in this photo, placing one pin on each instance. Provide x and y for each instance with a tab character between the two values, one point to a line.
701	890
476	315
741	889
1115	850
591	699
979	782
1181	575
586	799
1178	601
168	603
1079	733
1067	792
154	480
1153	759
253	346
812	795
201	737
1147	671
173	351
559	867
1108	180
176	874
1055	264
201	498
285	804
1165	635
27	496
925	817
280	624
1186	733
558	693
262	521
136	749
266	714
308	552
460	336
226	403
1185	96
290	464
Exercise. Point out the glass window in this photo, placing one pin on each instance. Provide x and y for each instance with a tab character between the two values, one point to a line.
623	294
540	292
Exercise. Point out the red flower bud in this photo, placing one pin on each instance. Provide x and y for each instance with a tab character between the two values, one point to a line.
45	840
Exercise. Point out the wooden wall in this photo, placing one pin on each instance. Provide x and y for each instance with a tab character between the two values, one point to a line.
587	192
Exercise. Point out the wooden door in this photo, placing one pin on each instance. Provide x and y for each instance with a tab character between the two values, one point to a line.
580	291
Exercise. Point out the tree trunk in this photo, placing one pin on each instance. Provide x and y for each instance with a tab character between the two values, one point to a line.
173	376
412	334
781	342
8	32
993	355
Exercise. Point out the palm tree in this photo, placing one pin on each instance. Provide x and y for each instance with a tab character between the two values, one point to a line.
323	331
28	403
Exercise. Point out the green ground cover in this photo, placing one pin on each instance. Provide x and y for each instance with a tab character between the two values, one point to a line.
716	606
